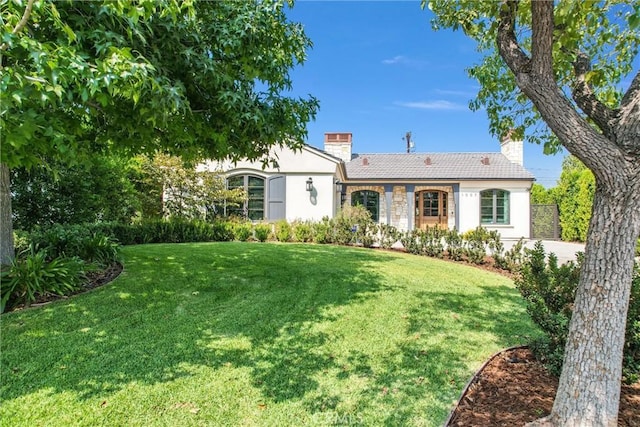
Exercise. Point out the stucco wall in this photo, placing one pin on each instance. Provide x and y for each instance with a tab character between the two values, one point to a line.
519	206
297	167
303	205
304	162
467	208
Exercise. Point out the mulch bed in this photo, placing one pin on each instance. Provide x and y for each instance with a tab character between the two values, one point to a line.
513	389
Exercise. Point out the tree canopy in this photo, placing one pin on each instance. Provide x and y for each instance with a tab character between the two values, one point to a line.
595	44
199	79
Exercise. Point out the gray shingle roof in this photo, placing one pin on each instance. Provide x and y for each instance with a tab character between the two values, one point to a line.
436	166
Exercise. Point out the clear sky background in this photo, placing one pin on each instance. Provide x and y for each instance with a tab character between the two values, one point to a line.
379	70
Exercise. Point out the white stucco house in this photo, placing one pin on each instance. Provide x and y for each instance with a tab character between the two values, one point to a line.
406	190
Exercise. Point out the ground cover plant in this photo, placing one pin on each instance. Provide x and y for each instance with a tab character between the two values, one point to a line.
259	334
54	262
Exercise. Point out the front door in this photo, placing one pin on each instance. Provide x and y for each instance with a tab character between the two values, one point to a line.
431	209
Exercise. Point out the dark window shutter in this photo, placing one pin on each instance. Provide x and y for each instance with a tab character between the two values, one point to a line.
277	193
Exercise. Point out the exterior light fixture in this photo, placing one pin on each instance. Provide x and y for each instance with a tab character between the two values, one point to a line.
310	184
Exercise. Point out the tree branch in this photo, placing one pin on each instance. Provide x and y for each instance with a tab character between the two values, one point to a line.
21	24
632	95
537	81
542	37
628	123
508	46
584	97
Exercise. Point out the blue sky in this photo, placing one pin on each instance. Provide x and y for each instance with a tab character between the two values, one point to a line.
379	70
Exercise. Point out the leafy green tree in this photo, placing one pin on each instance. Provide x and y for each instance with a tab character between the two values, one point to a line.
199	79
556	69
96	190
144	177
575	192
541	195
180	190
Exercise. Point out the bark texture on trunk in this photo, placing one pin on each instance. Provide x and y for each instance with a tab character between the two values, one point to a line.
7	251
589	389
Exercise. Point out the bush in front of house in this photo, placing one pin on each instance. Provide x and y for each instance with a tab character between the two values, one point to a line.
432	242
496	250
302	231
323	231
242	231
514	257
284	232
123	233
167	230
221	231
262	232
454	241
475	245
175	230
389	235
411	240
549	291
353	225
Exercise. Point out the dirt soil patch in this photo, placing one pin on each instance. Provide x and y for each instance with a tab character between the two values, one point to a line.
513	389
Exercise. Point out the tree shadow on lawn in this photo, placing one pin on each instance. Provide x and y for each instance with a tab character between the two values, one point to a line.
267	295
254	307
497	313
442	357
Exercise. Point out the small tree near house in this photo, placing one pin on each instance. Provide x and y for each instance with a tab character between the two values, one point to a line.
180	190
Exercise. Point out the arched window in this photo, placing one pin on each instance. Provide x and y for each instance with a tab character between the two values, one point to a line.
253	207
494	207
369	199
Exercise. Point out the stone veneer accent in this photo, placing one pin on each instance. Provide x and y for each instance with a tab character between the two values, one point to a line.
399	208
400	205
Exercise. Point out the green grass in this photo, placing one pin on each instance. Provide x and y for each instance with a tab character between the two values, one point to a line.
259	334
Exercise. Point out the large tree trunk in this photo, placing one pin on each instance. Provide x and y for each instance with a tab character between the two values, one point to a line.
589	389
7	251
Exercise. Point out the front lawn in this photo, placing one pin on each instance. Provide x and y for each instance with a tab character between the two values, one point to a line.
251	334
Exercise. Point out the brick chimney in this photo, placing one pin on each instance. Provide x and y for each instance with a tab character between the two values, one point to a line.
338	144
512	148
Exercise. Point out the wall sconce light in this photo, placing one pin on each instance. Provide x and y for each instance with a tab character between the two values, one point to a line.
339	187
310	184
